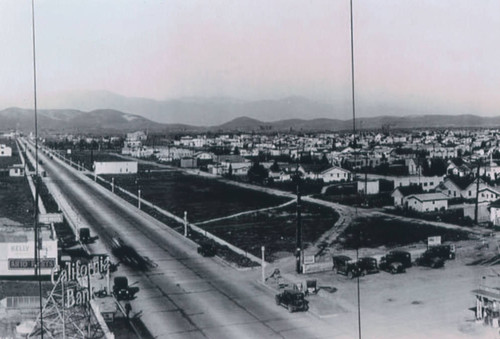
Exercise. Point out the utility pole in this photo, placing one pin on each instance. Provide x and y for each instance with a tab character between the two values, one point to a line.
476	208
298	234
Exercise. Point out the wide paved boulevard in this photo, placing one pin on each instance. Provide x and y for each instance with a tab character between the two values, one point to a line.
186	295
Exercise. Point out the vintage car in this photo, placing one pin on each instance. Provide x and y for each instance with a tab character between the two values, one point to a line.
343	264
368	265
430	259
122	290
292	300
395	262
443	251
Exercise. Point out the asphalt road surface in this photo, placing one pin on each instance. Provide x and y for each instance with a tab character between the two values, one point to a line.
186	295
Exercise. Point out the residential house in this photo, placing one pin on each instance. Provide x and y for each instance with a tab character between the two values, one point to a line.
335	174
467	188
427	183
400	193
462	170
426	202
313	171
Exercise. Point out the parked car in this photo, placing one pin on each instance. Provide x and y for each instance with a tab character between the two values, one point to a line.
443	251
122	290
429	259
395	262
293	300
401	256
368	265
342	264
391	267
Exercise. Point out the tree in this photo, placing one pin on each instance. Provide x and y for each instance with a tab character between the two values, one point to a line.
230	171
257	173
275	167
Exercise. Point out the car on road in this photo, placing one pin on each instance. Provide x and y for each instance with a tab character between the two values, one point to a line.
342	264
368	265
122	290
292	300
429	259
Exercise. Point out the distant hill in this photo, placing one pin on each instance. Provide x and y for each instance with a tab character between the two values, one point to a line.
317	125
112	121
73	121
197	111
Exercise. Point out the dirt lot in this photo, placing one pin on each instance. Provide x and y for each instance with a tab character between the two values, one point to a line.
202	198
16	201
422	303
389	232
274	229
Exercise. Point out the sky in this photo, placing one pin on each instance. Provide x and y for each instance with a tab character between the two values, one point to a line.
414	54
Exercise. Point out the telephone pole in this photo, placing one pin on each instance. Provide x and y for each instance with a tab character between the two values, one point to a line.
298	233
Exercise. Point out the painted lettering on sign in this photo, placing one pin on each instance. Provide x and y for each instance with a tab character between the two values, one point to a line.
25	264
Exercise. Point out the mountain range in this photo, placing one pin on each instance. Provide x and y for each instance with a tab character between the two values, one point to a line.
197	111
113	121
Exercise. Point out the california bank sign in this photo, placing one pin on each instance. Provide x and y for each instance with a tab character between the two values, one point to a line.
79	272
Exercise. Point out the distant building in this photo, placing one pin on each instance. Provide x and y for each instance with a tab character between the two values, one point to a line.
427	202
16	170
189	162
137	136
115	167
17	252
5	151
372	187
400	193
335	174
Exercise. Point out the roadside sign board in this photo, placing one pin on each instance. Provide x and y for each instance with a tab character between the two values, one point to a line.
309	259
50	218
433	241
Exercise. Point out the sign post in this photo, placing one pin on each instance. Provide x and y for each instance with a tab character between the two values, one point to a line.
263	249
185	224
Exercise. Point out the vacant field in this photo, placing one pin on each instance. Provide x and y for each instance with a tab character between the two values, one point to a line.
275	229
16	201
389	232
202	198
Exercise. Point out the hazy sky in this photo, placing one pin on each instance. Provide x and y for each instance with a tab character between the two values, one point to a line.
413	53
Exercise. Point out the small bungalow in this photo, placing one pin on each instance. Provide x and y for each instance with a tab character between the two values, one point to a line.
426	202
335	174
400	193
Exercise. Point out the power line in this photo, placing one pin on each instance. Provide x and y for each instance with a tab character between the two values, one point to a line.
355	160
37	231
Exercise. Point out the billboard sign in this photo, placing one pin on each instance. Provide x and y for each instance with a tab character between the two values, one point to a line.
433	241
28	264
